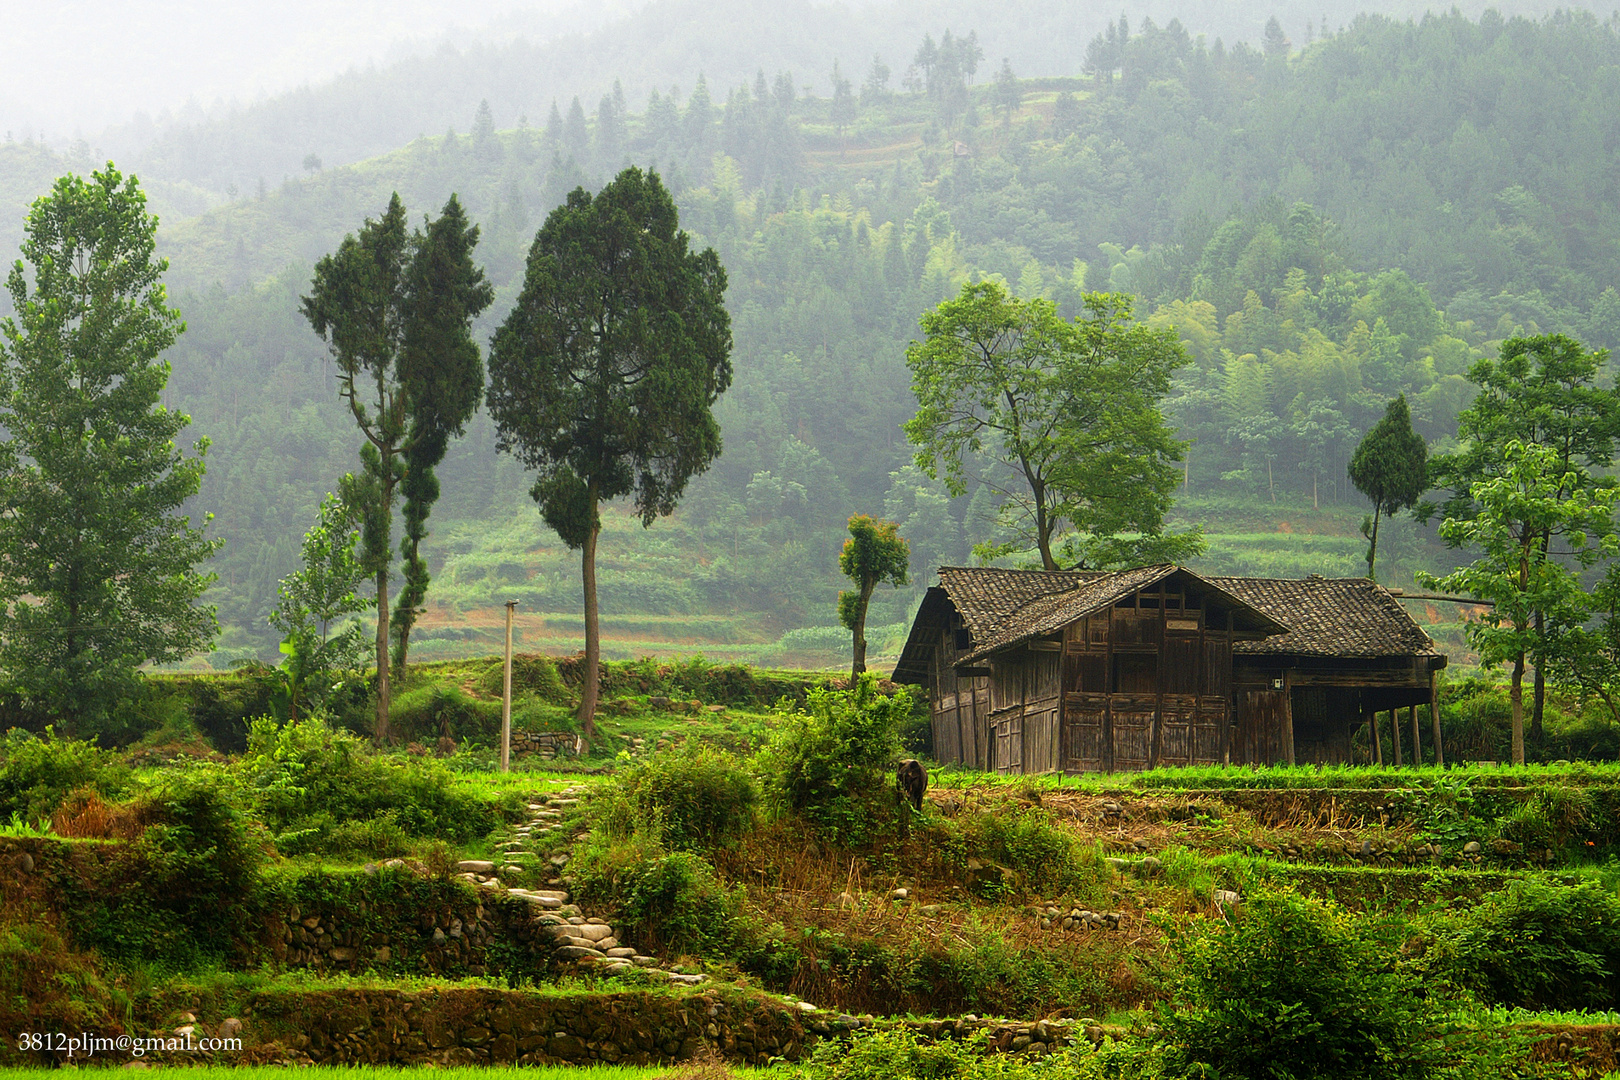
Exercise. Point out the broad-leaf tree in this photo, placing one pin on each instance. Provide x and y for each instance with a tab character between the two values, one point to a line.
875	552
1390	467
1065	413
396	308
313	601
1531	494
98	566
603	377
1544	391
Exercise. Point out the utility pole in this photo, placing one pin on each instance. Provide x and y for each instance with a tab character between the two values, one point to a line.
506	695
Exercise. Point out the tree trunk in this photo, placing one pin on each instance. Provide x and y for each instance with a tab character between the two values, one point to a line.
1417	741
1372	544
1377	739
591	687
1395	736
1517	697
859	664
1538	699
1434	720
382	733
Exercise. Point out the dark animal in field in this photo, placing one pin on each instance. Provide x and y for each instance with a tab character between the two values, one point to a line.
913	780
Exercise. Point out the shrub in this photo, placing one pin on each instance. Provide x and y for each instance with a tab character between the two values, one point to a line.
1535	945
1045	858
667	901
1549	820
305	779
179	894
1298	988
47	986
39	771
832	761
436	710
695	799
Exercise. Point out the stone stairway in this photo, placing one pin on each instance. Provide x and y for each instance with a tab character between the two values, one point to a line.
578	941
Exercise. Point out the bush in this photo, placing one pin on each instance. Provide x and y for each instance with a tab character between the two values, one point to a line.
180	894
832	761
1044	857
1535	945
430	712
39	771
667	901
1298	988
694	799
306	779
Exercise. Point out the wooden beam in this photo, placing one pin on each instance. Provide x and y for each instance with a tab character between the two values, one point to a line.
1288	717
1417	743
1395	736
1377	739
1434	719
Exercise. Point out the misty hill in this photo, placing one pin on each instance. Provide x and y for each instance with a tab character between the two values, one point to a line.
1325	228
522	65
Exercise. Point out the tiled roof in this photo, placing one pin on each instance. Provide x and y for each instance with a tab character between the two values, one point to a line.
986	597
1050	613
1352	617
1331	617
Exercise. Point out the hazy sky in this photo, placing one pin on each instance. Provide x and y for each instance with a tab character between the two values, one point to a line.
74	66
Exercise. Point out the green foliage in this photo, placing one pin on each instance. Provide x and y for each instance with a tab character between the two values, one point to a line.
668	901
428	712
305	780
1067	411
178	895
1047	859
626	408
899	1054
1535	944
1298	988
47	985
694	798
875	552
832	760
1390	467
311	603
38	772
97	563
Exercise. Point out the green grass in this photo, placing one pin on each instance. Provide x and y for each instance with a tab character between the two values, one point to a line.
375	1072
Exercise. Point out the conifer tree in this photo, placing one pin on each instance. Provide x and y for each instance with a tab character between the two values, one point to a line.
1390	467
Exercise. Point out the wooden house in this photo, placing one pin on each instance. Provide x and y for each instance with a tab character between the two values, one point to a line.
1085	671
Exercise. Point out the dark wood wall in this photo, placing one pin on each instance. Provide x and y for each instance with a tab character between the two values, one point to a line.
1147	683
1025	709
961	706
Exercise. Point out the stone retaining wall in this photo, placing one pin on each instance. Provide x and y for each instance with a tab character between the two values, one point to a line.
548	744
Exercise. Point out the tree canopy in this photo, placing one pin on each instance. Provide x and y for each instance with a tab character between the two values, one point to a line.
98	563
1390	467
875	552
604	374
1059	418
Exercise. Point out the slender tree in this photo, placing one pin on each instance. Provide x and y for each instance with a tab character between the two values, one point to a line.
444	291
97	563
395	309
604	374
1544	391
874	553
1390	467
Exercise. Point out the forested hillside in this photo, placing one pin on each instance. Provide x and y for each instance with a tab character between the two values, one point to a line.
1325	227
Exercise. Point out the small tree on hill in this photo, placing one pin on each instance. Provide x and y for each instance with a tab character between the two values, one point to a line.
875	552
1390	467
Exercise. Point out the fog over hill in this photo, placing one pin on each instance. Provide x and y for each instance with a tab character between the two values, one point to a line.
227	96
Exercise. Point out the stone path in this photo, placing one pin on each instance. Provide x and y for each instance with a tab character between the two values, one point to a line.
577	940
